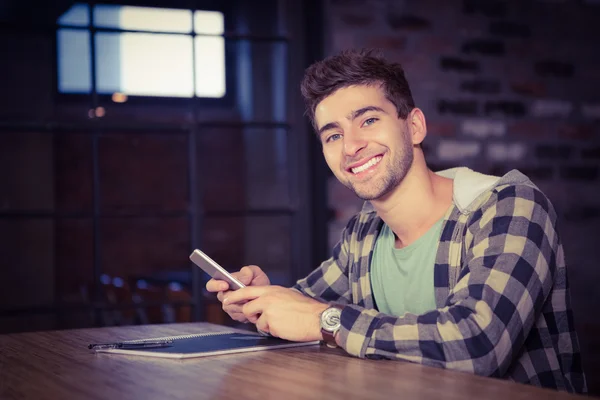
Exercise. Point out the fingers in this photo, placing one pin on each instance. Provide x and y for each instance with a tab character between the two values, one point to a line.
215	285
245	275
252	318
253	309
233	301
239	317
262	324
259	278
233	308
248	275
246	294
252	275
235	311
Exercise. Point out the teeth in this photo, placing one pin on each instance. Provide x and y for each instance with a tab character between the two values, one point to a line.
366	165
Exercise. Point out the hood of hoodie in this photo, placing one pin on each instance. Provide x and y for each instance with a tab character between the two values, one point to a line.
470	186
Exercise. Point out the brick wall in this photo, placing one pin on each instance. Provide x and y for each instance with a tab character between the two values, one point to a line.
503	84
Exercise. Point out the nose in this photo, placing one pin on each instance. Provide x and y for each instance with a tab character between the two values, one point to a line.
353	143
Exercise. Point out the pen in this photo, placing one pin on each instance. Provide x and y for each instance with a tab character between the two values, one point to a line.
135	345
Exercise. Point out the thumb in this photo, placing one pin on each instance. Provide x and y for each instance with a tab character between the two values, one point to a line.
246	275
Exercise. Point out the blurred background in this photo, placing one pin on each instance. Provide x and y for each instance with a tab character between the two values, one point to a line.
132	132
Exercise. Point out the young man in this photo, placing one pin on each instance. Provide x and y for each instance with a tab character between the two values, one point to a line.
453	269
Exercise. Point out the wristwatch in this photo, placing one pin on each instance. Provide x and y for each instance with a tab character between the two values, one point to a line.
331	323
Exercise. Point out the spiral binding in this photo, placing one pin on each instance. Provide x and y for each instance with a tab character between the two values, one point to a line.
191	336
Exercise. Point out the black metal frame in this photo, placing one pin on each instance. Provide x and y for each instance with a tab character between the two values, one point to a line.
195	214
96	128
319	171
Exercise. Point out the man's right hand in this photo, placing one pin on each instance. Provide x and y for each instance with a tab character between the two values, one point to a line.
250	275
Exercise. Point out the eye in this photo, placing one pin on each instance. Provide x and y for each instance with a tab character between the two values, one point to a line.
333	137
370	121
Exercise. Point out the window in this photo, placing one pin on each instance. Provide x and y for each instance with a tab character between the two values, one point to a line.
141	51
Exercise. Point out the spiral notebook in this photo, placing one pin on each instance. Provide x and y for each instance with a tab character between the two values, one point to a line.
209	344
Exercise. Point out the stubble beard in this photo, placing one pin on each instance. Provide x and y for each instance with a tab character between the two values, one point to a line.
377	187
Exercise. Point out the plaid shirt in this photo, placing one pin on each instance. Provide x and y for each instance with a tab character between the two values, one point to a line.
501	289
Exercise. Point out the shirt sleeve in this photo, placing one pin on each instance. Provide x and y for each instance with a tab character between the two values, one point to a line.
507	270
330	282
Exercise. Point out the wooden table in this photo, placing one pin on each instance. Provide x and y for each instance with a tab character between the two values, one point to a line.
58	365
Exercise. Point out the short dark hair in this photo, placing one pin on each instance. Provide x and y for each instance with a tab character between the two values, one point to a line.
356	67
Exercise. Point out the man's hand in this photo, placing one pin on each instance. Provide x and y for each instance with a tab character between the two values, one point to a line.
280	311
250	275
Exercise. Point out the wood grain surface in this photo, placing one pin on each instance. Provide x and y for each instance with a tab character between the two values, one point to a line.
58	365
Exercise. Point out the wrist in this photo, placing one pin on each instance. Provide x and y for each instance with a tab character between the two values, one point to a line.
318	311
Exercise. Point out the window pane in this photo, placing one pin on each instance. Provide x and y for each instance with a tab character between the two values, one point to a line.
144	64
267	171
77	15
27	177
121	157
74	252
262	80
162	244
210	66
74	61
30	277
222	188
268	245
143	18
209	22
108	62
263	241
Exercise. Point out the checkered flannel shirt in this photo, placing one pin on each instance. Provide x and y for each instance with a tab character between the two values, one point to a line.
501	289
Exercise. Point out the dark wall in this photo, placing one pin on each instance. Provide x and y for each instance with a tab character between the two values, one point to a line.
503	84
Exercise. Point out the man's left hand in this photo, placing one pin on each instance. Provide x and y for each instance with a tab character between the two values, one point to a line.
280	311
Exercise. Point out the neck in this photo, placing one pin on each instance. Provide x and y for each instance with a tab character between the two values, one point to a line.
415	205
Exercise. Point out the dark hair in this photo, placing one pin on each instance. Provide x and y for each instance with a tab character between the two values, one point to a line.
356	67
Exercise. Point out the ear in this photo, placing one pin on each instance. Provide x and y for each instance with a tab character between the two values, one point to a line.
417	125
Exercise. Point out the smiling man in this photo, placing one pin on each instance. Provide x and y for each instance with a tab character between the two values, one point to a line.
453	269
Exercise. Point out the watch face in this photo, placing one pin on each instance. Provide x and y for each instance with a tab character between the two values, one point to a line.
330	319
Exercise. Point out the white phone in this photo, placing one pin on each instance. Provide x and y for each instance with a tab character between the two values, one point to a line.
209	266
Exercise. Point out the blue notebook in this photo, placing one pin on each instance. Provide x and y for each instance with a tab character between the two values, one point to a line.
209	344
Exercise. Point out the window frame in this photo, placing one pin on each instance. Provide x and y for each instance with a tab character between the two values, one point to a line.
137	100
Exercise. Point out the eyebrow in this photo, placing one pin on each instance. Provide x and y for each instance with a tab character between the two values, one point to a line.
326	127
357	113
350	117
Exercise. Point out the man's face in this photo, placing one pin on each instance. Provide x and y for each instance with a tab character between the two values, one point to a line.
366	145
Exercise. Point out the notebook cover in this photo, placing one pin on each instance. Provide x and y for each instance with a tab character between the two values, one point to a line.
211	344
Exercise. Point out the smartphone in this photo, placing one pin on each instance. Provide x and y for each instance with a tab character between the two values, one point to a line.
209	266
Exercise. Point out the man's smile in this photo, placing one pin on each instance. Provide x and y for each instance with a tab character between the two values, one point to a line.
365	165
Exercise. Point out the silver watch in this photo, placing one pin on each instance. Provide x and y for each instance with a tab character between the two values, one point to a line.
331	323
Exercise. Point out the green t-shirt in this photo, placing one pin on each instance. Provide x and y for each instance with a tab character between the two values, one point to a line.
402	279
